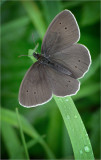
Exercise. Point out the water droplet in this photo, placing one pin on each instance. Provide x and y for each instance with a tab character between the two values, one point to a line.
86	148
81	151
67	100
75	116
68	117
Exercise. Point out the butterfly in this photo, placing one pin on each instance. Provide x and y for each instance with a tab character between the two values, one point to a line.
61	63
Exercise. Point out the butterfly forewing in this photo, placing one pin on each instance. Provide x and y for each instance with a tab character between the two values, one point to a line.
35	88
62	32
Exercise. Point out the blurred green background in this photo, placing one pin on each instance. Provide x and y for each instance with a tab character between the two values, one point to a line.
19	20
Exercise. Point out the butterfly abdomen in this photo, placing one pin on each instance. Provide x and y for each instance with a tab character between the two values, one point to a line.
61	69
56	66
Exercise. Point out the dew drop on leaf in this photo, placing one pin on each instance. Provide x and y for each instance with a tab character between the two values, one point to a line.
68	117
86	148
81	151
75	116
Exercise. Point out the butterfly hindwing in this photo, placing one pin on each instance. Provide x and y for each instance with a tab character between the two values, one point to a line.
35	88
61	84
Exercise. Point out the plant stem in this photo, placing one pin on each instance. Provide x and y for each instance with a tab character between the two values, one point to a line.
22	135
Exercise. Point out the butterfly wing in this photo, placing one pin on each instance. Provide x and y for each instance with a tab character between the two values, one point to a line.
61	33
61	84
76	58
35	88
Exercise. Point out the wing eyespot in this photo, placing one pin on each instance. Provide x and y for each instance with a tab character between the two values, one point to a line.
75	66
79	60
65	27
34	92
68	81
60	22
27	91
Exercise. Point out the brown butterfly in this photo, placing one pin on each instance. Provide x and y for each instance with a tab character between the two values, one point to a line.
61	63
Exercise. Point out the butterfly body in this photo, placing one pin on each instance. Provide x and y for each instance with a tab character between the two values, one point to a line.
53	64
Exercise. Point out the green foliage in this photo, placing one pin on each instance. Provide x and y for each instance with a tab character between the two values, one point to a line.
21	19
14	148
11	118
89	16
75	127
22	135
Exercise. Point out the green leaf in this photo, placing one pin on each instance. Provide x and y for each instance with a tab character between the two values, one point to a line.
93	68
32	142
91	13
95	127
67	150
75	127
14	147
31	51
87	91
54	129
22	135
71	4
18	25
35	16
10	117
15	24
51	8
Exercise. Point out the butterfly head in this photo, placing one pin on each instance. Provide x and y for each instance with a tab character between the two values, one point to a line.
37	56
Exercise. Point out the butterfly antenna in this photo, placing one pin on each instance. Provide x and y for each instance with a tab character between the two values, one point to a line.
25	55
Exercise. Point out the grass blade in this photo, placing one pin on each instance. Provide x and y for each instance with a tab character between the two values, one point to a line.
87	91
51	8
54	131
10	117
33	142
36	16
75	127
14	148
14	25
22	135
94	66
89	16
